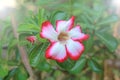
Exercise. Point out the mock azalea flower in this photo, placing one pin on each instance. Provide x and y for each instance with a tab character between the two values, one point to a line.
31	39
65	41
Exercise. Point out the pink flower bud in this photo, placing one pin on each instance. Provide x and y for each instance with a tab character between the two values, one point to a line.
31	39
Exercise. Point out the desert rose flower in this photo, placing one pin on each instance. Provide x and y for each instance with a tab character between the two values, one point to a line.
31	39
65	41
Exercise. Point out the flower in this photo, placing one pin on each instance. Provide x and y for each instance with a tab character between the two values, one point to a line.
31	39
65	41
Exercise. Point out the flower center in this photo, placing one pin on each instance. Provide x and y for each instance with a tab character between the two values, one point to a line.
63	36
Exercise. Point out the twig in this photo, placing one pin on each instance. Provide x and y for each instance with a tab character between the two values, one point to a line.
23	54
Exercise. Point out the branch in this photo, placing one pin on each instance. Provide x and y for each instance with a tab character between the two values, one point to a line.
22	51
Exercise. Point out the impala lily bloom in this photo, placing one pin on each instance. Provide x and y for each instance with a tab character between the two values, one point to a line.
31	39
65	40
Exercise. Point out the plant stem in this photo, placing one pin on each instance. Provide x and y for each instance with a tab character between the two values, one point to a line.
22	51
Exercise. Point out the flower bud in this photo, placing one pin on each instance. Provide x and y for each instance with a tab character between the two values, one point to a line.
31	39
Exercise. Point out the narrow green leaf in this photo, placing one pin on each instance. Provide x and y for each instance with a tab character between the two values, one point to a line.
23	42
84	19
41	16
44	66
12	45
13	62
31	20
109	41
22	38
89	43
41	39
94	65
28	28
104	28
79	65
3	70
88	18
108	20
11	74
21	74
98	14
37	54
0	48
33	52
57	15
65	64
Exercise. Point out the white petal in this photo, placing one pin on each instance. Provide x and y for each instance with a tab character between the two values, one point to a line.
62	25
76	34
57	52
74	49
48	32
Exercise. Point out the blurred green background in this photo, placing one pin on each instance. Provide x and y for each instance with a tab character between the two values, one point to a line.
98	18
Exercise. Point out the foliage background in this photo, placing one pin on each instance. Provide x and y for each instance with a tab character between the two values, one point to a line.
96	17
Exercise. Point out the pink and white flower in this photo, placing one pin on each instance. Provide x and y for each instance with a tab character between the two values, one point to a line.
65	41
31	39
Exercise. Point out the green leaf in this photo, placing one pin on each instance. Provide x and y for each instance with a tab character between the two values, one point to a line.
109	41
12	45
23	36
94	65
1	47
11	74
41	39
65	64
3	70
84	19
13	62
44	66
88	17
98	14
21	74
41	16
37	54
23	42
28	28
22	39
31	20
89	43
79	65
108	20
32	54
104	28
57	15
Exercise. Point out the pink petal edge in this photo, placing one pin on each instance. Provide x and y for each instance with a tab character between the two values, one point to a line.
77	56
49	25
47	55
31	39
44	24
72	19
84	38
81	39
